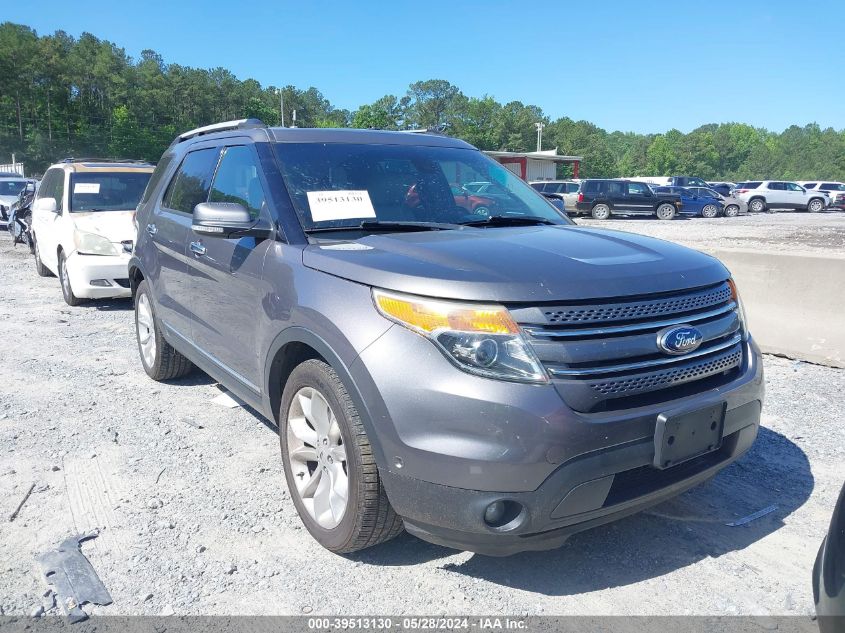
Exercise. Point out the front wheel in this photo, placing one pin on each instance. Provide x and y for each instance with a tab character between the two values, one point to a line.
709	211
67	292
665	211
160	360
601	212
815	205
731	211
329	465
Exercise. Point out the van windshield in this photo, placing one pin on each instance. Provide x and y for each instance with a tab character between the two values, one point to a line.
107	191
344	185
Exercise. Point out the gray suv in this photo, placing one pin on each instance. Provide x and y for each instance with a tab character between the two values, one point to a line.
491	383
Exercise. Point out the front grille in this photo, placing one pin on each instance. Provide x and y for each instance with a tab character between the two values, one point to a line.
638	309
605	356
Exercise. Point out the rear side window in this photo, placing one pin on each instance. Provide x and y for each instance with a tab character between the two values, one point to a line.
537	185
155	179
572	187
592	186
748	185
53	186
192	181
237	180
810	185
832	186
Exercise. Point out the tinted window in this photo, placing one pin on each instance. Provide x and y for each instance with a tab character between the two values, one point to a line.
237	180
158	174
776	186
53	186
832	186
107	191
572	187
191	182
748	185
615	188
591	186
538	185
810	185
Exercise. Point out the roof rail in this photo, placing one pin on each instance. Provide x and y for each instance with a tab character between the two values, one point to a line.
72	159
239	124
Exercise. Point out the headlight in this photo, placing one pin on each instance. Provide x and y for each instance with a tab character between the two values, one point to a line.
92	244
740	309
479	339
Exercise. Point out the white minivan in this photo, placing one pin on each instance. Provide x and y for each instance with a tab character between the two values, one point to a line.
83	225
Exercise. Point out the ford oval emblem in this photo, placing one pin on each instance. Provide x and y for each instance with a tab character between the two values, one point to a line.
679	339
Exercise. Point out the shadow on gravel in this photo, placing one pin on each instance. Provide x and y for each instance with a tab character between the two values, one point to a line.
670	536
110	305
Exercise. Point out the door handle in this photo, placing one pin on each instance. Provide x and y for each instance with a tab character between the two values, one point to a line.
197	248
152	229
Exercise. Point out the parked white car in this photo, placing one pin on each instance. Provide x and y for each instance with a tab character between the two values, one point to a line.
83	226
836	191
780	194
566	190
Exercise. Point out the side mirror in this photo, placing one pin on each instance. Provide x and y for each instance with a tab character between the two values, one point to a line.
45	205
226	219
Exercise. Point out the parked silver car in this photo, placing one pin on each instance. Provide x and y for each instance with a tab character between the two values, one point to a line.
762	195
566	190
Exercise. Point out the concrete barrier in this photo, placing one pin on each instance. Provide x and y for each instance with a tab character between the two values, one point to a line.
795	303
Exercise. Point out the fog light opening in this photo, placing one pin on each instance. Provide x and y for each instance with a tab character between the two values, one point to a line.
502	513
103	283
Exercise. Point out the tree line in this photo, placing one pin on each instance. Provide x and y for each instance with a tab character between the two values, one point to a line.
64	96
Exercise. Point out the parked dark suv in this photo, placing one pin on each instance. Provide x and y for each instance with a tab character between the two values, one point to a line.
492	383
602	198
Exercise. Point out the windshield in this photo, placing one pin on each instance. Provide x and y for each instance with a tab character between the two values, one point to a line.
11	187
107	191
343	185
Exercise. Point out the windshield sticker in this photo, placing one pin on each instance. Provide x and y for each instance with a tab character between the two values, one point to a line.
340	205
86	187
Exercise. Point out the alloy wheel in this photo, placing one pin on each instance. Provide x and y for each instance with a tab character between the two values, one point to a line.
317	457
146	330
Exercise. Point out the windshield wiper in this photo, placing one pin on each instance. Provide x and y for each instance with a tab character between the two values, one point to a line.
389	225
510	220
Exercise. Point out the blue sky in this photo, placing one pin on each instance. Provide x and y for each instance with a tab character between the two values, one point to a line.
644	67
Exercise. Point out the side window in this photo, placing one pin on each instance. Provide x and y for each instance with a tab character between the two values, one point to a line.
614	188
48	184
192	181
155	179
637	189
811	185
59	189
237	181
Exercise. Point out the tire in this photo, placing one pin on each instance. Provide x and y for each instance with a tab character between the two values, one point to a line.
40	268
67	291
665	211
160	360
601	212
709	211
757	205
731	211
311	453
815	205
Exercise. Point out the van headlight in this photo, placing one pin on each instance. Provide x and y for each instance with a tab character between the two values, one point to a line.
479	339
740	309
92	244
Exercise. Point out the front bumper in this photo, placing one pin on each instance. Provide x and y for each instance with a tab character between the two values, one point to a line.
453	443
88	272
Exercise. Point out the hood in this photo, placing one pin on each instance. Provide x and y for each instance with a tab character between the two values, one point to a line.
525	264
115	226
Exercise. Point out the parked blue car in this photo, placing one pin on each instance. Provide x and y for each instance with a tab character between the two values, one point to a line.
694	204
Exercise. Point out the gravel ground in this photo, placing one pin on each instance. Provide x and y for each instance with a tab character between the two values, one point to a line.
822	233
195	518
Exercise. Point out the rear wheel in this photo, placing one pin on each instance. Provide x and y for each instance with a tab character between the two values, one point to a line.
731	211
757	205
710	211
601	212
329	465
161	361
40	268
67	292
665	211
815	205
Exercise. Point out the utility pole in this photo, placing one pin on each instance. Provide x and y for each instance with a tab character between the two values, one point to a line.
281	107
294	119
539	125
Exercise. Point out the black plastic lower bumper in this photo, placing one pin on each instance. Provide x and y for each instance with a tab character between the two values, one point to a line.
590	490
